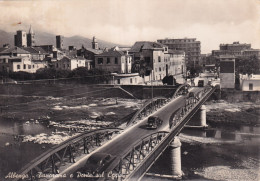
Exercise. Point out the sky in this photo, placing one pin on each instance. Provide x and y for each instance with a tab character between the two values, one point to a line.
126	21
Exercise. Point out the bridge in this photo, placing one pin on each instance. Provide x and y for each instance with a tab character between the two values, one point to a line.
136	148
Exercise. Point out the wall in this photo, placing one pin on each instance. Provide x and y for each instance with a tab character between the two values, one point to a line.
254	82
159	68
227	80
111	67
232	95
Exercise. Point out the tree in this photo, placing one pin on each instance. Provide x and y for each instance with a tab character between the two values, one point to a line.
247	65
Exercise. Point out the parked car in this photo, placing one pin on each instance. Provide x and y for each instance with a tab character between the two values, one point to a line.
153	122
201	83
191	94
97	163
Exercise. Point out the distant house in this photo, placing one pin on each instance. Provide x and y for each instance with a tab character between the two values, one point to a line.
37	53
114	61
14	51
250	83
16	64
71	63
90	53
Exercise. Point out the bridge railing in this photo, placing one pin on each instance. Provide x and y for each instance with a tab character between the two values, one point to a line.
50	161
137	161
148	108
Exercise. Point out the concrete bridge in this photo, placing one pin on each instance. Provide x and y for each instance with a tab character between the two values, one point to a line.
136	148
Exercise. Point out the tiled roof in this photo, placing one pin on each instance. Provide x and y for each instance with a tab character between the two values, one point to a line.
34	50
94	51
15	50
145	45
112	54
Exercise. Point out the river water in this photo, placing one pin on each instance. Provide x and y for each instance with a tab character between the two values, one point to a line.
219	153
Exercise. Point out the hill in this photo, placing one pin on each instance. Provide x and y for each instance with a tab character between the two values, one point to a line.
43	38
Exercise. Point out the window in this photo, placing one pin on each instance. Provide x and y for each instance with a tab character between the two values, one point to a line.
29	66
147	59
64	66
160	69
131	81
100	60
18	67
33	66
108	60
159	58
250	86
116	60
24	66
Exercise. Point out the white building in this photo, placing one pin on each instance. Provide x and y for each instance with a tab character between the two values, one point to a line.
16	64
250	83
71	63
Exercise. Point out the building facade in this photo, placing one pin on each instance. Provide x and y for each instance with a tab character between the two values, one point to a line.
25	64
227	71
60	42
71	63
31	38
236	49
20	39
190	46
114	61
175	62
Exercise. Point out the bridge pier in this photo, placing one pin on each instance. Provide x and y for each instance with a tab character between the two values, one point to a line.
175	150
199	120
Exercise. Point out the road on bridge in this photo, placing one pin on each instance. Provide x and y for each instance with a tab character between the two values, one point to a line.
126	140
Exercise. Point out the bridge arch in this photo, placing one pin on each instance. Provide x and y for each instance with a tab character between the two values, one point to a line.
148	108
180	90
50	161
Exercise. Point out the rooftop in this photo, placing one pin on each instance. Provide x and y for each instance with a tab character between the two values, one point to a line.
146	45
112	53
14	50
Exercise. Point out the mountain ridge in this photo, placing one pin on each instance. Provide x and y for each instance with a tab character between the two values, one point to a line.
43	38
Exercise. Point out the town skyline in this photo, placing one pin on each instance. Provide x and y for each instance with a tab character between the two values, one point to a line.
125	23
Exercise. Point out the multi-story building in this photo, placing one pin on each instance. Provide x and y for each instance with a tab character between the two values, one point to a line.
236	49
60	42
158	59
114	61
31	38
175	63
190	46
20	39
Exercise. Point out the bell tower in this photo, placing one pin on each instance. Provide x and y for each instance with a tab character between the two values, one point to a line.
31	38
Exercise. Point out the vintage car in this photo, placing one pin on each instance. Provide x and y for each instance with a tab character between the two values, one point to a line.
153	122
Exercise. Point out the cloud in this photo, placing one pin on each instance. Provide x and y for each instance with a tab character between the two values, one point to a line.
211	22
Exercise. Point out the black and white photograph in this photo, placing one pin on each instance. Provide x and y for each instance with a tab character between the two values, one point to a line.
129	90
